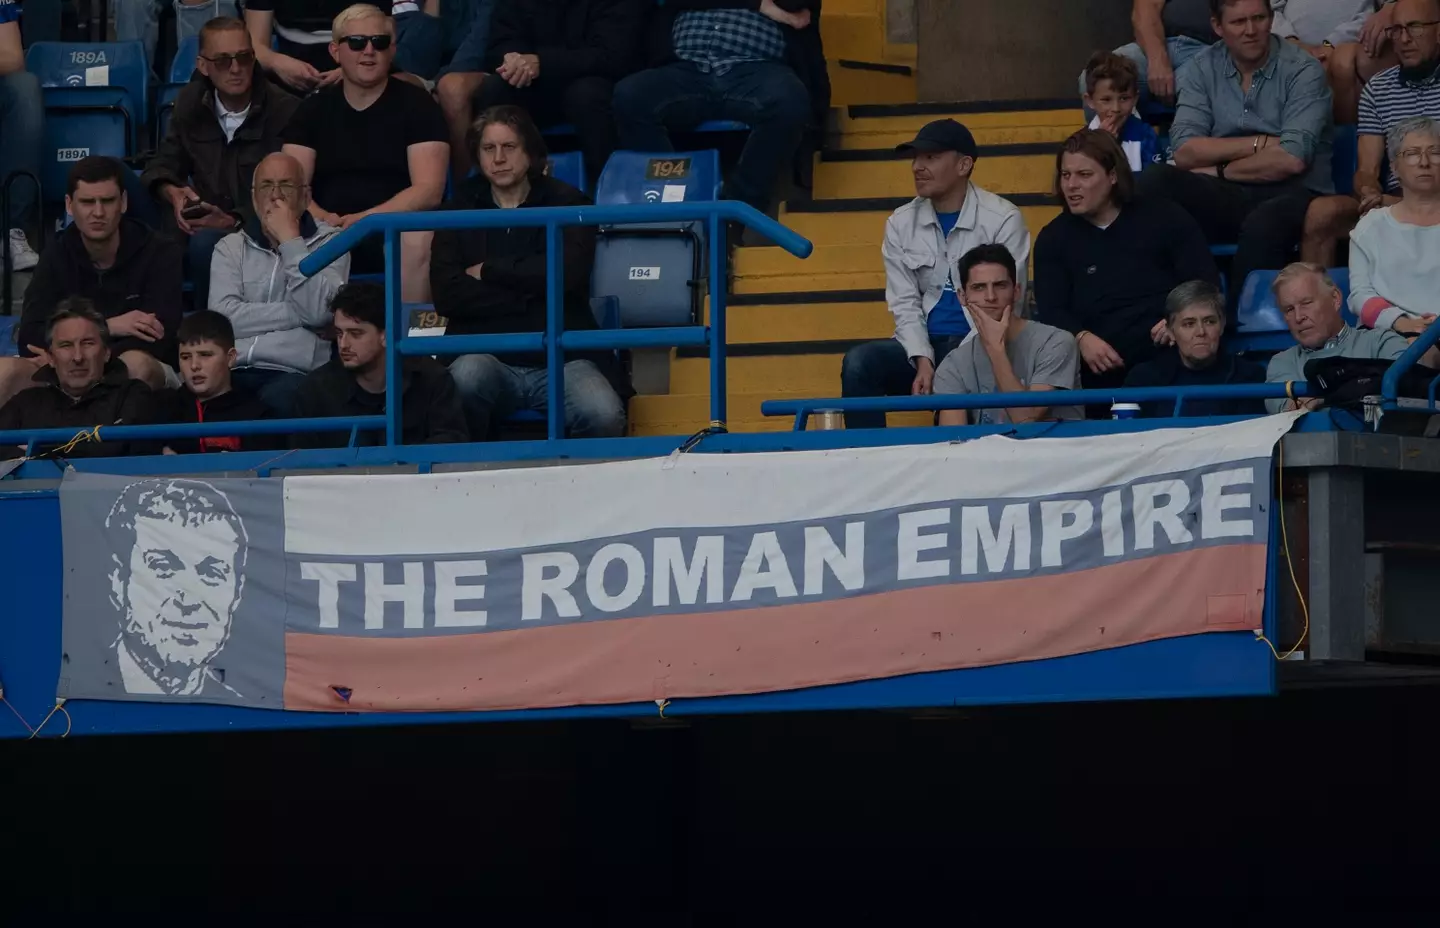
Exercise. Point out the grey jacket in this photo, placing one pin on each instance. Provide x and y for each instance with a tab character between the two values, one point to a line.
277	312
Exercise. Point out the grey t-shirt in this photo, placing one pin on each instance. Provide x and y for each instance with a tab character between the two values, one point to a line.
1039	353
1189	18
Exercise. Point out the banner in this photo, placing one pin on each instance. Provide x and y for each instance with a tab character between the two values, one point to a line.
687	576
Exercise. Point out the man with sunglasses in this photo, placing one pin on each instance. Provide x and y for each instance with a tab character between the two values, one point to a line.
224	123
1409	89
372	143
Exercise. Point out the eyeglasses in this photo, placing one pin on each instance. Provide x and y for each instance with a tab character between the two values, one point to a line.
1412	155
225	62
1414	30
284	187
357	43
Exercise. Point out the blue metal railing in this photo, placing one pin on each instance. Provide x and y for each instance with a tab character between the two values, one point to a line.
1390	385
802	409
555	341
29	438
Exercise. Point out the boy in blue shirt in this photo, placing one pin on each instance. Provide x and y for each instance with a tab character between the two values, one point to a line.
1111	89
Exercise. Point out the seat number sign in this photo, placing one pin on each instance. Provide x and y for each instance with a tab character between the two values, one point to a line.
644	273
667	168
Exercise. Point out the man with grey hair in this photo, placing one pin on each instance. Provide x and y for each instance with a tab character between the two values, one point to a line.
1195	319
177	572
1311	303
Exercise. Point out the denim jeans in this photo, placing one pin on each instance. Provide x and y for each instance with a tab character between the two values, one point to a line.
139	21
491	390
883	369
1181	49
198	252
276	389
22	114
765	95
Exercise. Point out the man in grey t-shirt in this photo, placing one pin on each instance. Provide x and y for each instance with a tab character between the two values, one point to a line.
1006	354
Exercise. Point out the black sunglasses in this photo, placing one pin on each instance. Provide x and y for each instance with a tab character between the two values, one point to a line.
357	43
226	62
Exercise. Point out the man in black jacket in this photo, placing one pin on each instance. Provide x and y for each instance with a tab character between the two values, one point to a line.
493	280
354	385
79	386
132	277
224	123
560	60
759	62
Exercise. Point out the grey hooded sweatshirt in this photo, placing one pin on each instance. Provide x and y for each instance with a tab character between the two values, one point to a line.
277	312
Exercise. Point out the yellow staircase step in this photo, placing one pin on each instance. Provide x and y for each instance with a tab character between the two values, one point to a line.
859	37
893	178
850	85
810	282
806	322
1004	135
868	226
858	122
810	374
686	413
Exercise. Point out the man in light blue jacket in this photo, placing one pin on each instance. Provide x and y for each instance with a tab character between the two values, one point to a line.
281	317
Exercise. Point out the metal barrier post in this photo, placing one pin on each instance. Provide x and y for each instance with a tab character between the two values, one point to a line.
554	328
717	320
394	395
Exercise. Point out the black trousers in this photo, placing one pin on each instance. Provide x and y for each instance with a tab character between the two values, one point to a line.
1265	221
584	103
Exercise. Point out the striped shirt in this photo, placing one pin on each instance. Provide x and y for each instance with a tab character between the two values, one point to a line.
1388	98
717	40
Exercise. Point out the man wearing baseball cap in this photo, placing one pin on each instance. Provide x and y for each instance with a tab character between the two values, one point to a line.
924	241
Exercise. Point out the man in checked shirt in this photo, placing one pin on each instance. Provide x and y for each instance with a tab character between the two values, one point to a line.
722	59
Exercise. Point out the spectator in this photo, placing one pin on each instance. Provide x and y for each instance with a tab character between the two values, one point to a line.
1395	250
132	277
924	240
493	280
280	317
1311	303
207	350
355	384
1168	33
1195	318
372	144
224	122
22	113
1329	31
1251	139
304	57
139	21
1110	93
78	385
560	60
1105	264
1008	354
1411	88
725	59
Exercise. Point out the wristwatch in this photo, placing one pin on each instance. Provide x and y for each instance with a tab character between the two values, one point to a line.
1220	169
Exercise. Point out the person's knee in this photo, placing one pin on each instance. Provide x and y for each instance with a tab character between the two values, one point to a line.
144	368
632	98
597	412
1343	62
1154	180
455	90
788	101
857	369
477	376
1331	217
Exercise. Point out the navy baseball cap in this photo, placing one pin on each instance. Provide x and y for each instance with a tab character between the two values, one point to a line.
941	135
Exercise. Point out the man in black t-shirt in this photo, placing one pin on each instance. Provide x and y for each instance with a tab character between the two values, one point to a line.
372	144
301	32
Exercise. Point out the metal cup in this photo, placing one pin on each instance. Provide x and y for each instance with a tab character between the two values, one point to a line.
825	420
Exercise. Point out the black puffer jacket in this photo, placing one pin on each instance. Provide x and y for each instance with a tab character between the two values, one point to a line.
115	400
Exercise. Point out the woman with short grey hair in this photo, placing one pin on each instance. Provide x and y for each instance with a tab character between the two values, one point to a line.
1395	250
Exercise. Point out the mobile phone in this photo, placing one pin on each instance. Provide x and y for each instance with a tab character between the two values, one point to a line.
194	209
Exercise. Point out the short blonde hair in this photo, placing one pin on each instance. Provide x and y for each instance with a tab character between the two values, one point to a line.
1300	269
359	11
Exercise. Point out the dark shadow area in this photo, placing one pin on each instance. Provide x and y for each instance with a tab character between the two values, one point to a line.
1317	801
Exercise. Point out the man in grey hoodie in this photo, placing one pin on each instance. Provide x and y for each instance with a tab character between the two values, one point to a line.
281	317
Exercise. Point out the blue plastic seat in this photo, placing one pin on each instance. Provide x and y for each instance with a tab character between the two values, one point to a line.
654	270
570	167
1258	311
96	80
182	66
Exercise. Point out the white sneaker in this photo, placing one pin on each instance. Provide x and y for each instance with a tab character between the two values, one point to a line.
21	254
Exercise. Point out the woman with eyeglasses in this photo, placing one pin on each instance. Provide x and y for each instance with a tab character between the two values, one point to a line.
1395	250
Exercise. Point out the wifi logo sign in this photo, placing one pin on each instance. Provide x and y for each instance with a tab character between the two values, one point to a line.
652	196
75	80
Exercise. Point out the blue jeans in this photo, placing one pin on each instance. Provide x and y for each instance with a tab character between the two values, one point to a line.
883	369
1181	49
198	252
139	21
276	389
765	95
490	390
23	116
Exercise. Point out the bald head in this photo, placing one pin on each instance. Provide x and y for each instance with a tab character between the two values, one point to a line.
280	195
1415	35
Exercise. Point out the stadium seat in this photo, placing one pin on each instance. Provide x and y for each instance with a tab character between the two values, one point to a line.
714	125
1261	325
1343	159
8	348
102	76
182	66
570	167
654	270
165	97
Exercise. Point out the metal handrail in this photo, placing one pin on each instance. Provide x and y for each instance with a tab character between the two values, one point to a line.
802	409
1390	384
31	437
554	340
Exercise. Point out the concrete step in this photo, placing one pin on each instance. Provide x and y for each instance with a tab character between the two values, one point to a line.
867	85
893	177
867	227
810	282
866	138
977	117
816	372
806	322
686	413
